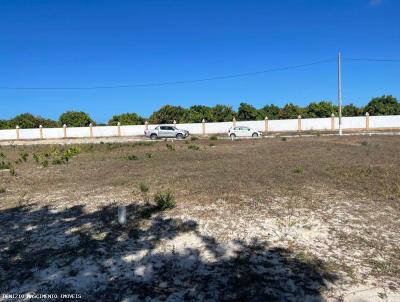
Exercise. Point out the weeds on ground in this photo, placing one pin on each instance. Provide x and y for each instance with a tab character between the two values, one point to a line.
132	157
212	145
149	155
170	147
213	138
56	156
194	147
364	143
5	165
24	156
2	155
299	170
2	190
283	139
165	200
146	144
194	138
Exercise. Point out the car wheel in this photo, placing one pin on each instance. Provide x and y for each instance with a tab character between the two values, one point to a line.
255	135
153	136
233	136
179	136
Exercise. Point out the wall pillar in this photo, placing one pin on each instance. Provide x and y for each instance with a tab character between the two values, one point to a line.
367	121
65	130
234	122
203	127
90	130
119	128
266	124
332	122
146	125
41	131
17	131
299	123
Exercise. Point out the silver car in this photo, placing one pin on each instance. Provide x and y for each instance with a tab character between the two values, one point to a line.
166	131
243	131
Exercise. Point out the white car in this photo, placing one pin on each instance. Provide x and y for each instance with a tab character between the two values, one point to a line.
243	131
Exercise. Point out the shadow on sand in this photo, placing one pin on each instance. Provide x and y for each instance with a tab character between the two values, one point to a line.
72	251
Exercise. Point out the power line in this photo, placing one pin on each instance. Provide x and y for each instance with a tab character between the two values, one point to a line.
238	75
372	60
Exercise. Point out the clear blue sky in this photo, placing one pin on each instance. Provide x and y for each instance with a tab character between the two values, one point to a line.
94	43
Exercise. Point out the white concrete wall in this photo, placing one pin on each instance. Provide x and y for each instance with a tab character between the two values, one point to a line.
359	122
390	121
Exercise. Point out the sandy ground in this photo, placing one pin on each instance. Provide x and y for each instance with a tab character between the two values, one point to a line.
277	234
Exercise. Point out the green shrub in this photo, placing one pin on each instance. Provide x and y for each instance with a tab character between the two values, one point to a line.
45	163
298	170
132	157
194	138
2	155
165	201
149	155
144	188
2	190
213	137
57	161
284	139
170	147
24	156
5	165
194	147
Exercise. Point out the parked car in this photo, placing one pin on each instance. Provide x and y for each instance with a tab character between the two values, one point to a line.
165	131
243	131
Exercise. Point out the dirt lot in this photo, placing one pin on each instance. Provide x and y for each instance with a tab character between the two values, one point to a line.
283	219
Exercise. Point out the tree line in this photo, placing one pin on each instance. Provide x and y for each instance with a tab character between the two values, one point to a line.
384	105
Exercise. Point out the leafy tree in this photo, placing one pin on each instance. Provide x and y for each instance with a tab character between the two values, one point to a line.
247	112
27	120
289	111
384	105
126	119
4	124
321	109
271	111
76	119
351	110
197	113
222	113
167	114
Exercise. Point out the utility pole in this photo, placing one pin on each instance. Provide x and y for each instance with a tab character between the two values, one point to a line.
340	91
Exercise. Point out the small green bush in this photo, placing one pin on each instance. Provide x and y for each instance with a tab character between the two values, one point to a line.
213	137
284	139
2	190
57	161
298	170
45	163
132	157
165	201
194	147
364	143
170	147
2	155
149	155
144	188
194	138
5	165
24	156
